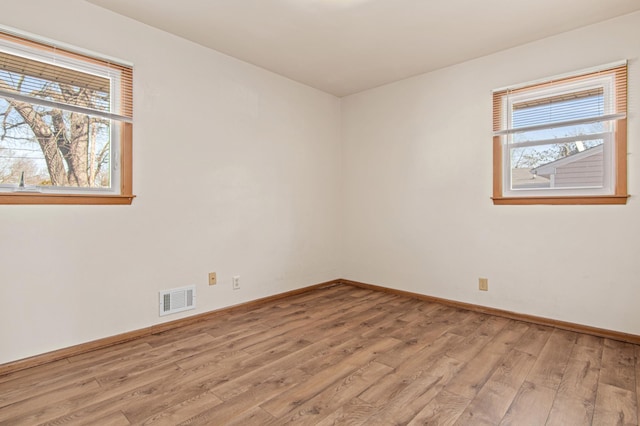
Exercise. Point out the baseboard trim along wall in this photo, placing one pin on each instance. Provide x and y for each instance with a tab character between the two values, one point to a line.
579	328
56	355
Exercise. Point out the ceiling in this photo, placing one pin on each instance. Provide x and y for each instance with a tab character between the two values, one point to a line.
346	46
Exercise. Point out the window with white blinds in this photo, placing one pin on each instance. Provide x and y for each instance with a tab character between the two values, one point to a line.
562	140
65	124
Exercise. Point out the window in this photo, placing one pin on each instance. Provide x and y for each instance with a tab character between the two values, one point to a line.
562	141
65	125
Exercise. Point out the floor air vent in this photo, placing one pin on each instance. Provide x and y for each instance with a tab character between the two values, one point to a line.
177	300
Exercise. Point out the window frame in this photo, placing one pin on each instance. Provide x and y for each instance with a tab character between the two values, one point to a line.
617	147
122	191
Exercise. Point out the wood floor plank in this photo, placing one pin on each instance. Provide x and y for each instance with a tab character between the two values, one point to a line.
327	350
575	399
102	401
354	412
115	418
324	355
337	355
254	417
404	405
405	373
32	375
496	395
230	334
534	339
183	410
145	360
467	349
380	325
240	405
15	391
530	407
312	358
417	336
416	309
25	410
581	376
468	325
618	359
570	411
162	396
615	406
244	380
232	372
333	397
422	311
443	410
552	361
478	370
130	389
106	418
287	401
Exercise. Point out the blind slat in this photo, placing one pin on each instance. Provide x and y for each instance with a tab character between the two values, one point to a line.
65	106
27	77
573	107
586	120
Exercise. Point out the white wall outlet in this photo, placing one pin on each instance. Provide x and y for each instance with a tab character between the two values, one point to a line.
236	282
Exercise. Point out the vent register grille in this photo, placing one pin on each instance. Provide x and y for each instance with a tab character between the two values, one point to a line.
177	300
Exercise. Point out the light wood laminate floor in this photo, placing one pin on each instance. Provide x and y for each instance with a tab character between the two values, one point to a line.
338	355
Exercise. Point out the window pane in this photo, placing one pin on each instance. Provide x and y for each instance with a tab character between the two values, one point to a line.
53	147
577	164
41	80
585	131
556	109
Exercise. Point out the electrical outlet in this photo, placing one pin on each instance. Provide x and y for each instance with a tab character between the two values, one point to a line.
213	279
236	282
483	284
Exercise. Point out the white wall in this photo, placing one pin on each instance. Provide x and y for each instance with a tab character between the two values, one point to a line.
418	181
236	171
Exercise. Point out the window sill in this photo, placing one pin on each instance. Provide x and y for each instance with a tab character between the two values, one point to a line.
567	200
14	198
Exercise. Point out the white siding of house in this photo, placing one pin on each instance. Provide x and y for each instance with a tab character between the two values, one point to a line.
585	172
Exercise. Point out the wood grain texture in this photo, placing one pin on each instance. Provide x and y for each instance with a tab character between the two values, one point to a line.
615	406
530	406
575	400
337	355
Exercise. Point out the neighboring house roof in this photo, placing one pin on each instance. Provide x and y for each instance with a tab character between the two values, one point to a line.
550	168
523	178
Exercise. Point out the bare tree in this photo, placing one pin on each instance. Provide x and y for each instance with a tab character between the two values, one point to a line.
10	171
67	139
535	156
